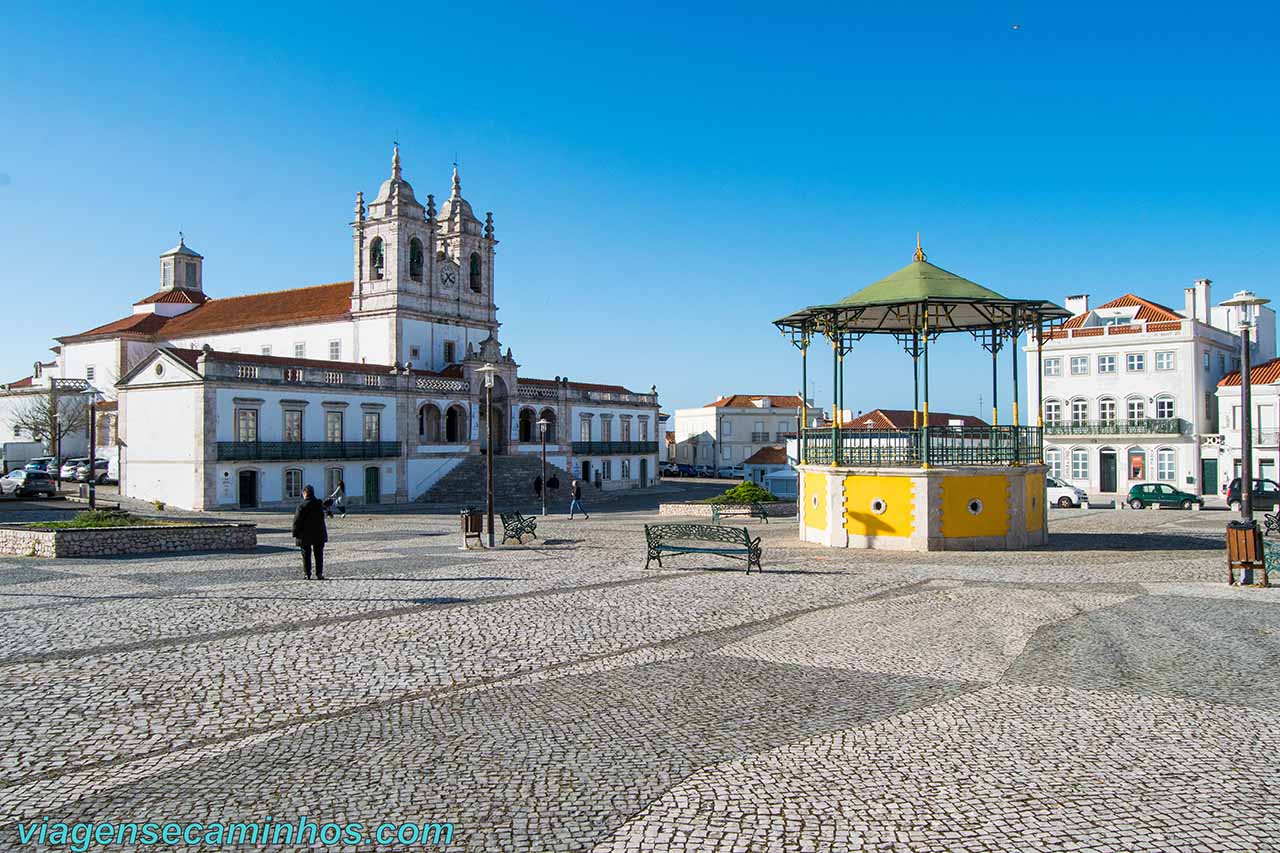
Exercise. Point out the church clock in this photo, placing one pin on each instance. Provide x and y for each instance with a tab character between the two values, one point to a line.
448	277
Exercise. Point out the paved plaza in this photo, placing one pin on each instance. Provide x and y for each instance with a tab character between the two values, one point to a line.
1107	693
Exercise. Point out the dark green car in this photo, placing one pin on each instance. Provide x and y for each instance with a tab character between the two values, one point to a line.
1160	494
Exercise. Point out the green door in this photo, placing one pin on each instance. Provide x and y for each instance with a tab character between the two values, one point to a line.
372	485
1208	476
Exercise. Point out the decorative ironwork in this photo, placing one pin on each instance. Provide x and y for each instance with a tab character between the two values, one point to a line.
424	383
737	542
1137	426
945	445
277	451
600	448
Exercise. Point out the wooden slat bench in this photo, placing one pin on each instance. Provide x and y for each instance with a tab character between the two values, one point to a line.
516	526
751	510
733	542
1244	552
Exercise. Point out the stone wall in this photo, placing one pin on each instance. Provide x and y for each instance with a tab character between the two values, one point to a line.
775	509
115	541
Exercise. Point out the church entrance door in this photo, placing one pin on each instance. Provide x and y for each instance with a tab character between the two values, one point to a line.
248	489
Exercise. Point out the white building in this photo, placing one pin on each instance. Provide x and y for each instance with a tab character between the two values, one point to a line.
1129	389
1221	453
239	401
731	429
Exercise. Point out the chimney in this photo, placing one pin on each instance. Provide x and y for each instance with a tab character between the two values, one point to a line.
1202	299
1077	304
1189	309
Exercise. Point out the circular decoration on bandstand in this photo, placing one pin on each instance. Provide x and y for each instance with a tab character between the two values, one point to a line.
975	506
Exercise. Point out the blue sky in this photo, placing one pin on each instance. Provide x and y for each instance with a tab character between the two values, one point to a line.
665	179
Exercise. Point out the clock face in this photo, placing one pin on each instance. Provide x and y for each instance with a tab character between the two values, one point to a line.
448	277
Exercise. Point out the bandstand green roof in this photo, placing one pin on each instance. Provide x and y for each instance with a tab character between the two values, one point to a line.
899	302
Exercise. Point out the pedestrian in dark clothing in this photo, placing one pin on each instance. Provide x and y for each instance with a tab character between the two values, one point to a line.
310	532
553	483
537	486
575	500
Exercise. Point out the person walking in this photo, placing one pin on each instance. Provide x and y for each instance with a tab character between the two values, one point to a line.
310	533
553	484
537	486
575	500
337	500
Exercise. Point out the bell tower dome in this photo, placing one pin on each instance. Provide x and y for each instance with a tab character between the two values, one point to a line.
181	268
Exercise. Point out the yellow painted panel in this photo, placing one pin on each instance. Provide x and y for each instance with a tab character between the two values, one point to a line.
1034	502
878	506
975	506
815	500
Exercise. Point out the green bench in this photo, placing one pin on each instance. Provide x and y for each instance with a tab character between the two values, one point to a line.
733	542
516	526
751	510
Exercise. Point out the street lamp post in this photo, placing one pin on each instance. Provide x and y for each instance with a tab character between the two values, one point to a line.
1248	303
543	423
93	447
487	372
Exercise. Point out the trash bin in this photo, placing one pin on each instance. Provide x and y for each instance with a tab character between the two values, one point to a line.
1245	551
472	523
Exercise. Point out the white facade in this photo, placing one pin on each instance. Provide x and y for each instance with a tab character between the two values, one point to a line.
1129	390
1224	448
733	428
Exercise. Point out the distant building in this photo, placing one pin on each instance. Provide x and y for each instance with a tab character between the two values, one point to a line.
763	462
731	429
906	419
1223	449
1130	389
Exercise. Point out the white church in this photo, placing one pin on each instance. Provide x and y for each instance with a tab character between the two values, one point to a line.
240	401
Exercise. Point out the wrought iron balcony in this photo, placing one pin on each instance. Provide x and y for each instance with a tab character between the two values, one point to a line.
758	437
936	445
288	451
1138	426
604	448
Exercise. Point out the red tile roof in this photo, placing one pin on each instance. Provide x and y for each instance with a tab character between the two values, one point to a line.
25	382
136	324
748	401
767	456
1147	310
317	304
1266	373
180	296
901	419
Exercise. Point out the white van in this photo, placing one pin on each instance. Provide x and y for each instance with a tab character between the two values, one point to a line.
1058	493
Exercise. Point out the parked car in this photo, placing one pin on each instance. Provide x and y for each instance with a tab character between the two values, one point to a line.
704	471
1063	494
41	463
668	469
683	470
68	470
730	471
24	484
1161	494
99	471
1265	495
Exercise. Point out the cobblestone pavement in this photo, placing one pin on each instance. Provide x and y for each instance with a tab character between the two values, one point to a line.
1106	693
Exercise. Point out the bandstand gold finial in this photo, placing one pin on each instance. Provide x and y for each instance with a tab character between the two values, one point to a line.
919	255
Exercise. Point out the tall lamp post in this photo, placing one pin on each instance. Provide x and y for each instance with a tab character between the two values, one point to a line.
543	423
488	372
1248	303
92	394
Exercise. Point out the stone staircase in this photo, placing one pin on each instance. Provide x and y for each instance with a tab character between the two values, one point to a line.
513	476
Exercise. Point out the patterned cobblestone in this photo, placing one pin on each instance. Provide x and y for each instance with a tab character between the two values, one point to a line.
1106	693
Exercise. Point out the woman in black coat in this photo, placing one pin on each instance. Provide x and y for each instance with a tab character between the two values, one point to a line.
310	533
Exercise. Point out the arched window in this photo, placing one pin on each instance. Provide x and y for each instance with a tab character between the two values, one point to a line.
475	272
1053	459
549	416
377	261
1166	465
455	425
415	259
1164	408
1135	409
1107	410
528	429
429	424
1052	413
1079	412
292	483
1080	464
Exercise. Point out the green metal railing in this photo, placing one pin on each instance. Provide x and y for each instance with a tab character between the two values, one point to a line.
1138	426
278	451
936	445
601	448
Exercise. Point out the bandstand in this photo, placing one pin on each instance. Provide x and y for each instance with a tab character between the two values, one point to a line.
936	486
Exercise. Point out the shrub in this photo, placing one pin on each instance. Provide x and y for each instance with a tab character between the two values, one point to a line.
745	492
98	518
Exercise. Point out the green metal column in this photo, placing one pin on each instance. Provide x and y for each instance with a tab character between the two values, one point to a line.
835	395
995	386
915	380
804	396
924	427
1017	421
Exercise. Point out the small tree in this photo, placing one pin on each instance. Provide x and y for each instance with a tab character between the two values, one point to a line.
47	422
